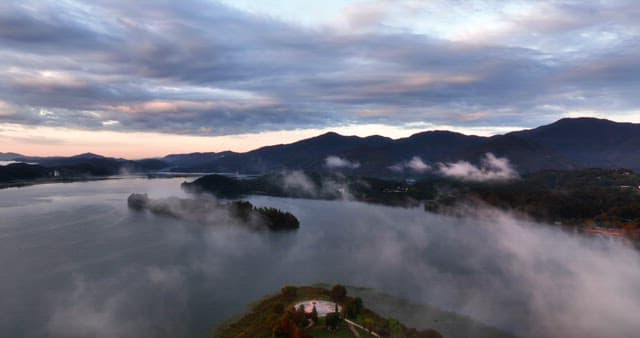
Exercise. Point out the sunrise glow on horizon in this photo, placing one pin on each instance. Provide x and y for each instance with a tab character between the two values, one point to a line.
144	79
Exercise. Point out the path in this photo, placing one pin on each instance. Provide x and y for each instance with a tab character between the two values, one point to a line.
361	327
353	330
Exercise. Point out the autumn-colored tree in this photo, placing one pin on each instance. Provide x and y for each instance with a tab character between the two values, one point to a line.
287	327
282	328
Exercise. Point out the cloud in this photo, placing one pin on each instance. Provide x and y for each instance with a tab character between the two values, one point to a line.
6	109
491	168
415	164
336	162
201	68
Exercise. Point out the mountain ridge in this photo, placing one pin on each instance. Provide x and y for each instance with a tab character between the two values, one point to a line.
569	143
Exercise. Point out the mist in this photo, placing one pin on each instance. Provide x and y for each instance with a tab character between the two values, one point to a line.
336	162
122	273
297	183
415	164
205	209
491	168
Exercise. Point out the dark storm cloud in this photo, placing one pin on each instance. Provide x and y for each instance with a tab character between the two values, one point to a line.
201	67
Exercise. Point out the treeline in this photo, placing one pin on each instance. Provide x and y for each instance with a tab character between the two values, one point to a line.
315	186
270	185
207	211
272	218
603	197
21	174
66	169
23	171
609	198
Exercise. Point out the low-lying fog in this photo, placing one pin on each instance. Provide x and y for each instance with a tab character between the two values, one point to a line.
77	263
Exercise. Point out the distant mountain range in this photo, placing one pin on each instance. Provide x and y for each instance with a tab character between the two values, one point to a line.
570	143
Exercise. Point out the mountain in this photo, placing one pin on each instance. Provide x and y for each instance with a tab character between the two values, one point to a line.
308	154
9	156
526	155
430	146
192	157
87	156
571	143
566	144
193	162
90	164
297	155
590	142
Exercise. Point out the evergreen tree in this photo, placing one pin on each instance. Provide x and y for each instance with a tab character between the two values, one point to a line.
338	293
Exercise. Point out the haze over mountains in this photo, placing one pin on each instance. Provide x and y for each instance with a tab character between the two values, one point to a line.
571	143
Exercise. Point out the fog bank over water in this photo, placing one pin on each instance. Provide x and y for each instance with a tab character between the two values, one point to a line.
79	263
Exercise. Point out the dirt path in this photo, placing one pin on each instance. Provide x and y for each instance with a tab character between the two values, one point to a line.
353	330
351	323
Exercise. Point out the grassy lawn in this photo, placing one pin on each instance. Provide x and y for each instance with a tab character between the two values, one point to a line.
365	334
321	332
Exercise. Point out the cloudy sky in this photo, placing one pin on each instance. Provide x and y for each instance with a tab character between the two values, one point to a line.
146	78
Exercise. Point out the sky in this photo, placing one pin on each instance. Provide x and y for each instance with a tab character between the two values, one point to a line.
146	78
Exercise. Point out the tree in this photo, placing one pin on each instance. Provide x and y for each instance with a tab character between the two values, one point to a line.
352	308
300	316
338	293
283	327
368	323
428	333
332	319
287	327
395	329
289	292
278	308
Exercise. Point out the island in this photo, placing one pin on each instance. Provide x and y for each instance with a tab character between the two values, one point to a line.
211	211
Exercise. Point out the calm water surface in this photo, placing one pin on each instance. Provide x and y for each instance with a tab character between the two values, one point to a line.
77	262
